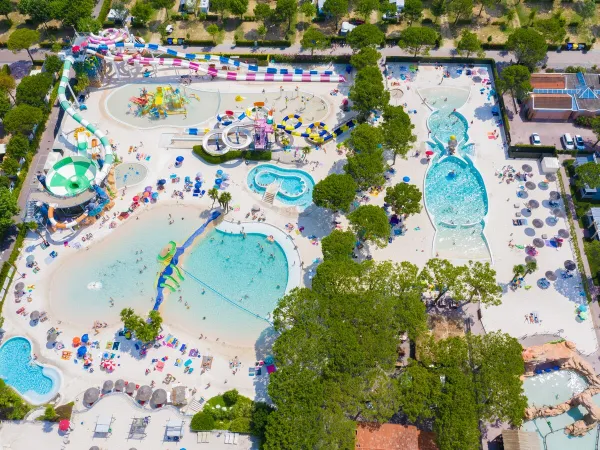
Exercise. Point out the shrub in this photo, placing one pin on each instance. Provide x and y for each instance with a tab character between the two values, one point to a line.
584	121
231	397
251	155
49	414
240	425
65	411
202	422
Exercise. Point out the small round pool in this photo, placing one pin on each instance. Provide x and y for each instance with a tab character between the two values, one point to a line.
295	186
129	174
36	383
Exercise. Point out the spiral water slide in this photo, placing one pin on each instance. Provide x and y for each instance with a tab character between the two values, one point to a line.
106	153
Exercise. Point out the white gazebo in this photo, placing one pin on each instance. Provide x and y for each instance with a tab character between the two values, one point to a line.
103	424
174	429
550	165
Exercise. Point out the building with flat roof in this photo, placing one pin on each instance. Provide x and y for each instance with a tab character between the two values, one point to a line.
563	96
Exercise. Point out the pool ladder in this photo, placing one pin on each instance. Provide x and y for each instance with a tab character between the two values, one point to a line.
271	192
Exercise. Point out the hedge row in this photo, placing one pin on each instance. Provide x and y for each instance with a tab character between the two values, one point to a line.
531	151
7	265
250	155
104	10
258	43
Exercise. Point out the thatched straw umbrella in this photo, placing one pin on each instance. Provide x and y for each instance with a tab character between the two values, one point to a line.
159	397
91	396
107	386
178	396
120	385
130	389
143	394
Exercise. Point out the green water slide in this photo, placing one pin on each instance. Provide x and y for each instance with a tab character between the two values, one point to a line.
176	270
168	286
172	249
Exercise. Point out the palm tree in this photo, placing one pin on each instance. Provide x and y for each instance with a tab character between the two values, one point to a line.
213	194
224	200
305	151
33	226
530	267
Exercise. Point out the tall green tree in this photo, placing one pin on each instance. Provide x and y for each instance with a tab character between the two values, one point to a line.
7	84
417	39
224	200
468	43
370	223
32	89
18	147
338	245
141	12
8	208
366	139
553	28
214	30
314	39
22	39
238	7
365	35
220	6
515	79
71	12
397	131
366	7
53	64
595	128
263	12
286	10
404	198
5	104
460	8
587	10
336	9
367	169
587	175
335	192
213	194
444	277
412	11
38	10
368	92
481	285
308	10
366	57
22	119
528	46
6	7
483	4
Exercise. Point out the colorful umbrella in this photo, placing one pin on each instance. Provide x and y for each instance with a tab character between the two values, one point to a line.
64	425
109	365
76	341
429	153
85	338
136	199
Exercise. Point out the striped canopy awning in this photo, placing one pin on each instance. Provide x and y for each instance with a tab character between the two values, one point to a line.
71	176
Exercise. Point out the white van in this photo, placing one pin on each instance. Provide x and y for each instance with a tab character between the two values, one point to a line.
568	142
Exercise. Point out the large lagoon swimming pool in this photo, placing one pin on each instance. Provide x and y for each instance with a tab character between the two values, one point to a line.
36	383
552	389
295	188
232	266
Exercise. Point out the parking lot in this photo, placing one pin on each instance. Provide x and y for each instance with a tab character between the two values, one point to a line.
549	131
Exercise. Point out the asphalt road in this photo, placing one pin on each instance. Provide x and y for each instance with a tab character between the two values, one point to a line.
555	59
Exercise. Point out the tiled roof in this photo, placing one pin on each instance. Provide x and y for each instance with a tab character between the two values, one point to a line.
548	81
372	436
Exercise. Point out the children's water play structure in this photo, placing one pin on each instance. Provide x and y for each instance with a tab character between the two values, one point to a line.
92	160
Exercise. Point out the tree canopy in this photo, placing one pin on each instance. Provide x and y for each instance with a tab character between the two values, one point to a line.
404	198
314	39
366	139
338	244
552	28
587	175
418	39
368	92
366	7
370	223
5	104
336	353
365	35
515	79
8	207
22	119
286	10
335	192
22	39
413	10
32	89
53	64
144	330
460	9
366	57
528	46
468	43
141	12
18	147
336	9
397	131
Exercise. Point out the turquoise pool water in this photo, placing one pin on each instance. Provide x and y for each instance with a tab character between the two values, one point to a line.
114	268
296	186
445	97
19	370
455	194
443	125
551	389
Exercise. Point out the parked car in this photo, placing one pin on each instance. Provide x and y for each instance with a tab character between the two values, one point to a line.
535	139
357	21
567	141
579	142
